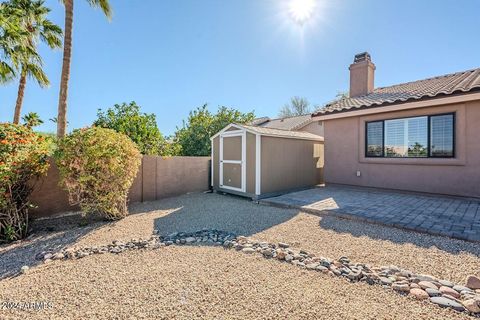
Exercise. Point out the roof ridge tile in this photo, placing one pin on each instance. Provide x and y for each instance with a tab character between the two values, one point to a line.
458	82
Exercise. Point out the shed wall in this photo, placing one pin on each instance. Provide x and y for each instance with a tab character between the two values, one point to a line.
250	159
290	164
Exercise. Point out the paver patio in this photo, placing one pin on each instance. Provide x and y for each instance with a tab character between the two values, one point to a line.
441	215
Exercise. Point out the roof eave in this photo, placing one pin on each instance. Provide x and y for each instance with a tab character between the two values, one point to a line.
400	105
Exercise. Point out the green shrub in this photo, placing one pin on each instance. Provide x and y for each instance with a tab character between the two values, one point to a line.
23	159
140	127
97	167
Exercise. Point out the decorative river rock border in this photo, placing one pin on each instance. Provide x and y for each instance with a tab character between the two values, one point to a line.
422	287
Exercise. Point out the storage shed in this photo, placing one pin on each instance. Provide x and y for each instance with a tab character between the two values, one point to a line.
259	162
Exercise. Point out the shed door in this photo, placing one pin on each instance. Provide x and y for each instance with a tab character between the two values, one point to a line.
232	160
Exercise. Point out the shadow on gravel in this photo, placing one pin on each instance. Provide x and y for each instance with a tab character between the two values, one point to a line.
378	232
51	234
225	212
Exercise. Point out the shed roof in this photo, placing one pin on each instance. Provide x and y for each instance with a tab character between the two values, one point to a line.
455	83
273	132
286	123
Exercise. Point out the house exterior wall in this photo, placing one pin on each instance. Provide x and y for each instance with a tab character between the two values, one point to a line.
289	164
345	155
315	127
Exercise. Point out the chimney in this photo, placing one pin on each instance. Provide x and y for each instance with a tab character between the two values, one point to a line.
362	72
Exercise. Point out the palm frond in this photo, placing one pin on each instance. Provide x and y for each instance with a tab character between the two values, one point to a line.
104	5
7	72
36	72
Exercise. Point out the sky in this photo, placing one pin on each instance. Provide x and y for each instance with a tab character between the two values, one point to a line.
172	56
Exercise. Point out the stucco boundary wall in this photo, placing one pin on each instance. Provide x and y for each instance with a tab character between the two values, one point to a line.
157	178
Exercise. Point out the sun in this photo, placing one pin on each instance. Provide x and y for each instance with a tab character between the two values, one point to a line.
301	10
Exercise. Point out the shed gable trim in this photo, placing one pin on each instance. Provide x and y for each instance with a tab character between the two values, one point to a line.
231	125
261	131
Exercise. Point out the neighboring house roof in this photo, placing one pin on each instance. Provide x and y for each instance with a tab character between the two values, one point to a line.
455	83
272	132
259	121
287	123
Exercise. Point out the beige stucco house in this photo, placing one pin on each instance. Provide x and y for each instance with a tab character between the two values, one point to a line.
418	136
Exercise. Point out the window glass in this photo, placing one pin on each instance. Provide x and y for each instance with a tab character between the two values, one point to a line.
441	136
409	137
417	137
406	137
374	139
395	138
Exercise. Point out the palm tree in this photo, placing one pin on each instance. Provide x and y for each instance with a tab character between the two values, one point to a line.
104	5
33	19
11	37
32	119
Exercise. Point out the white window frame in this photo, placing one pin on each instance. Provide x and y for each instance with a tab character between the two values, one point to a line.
243	135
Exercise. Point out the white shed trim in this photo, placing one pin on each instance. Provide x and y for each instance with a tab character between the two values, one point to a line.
258	163
242	163
211	164
226	128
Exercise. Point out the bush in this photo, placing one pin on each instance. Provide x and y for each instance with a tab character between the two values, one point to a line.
23	159
97	167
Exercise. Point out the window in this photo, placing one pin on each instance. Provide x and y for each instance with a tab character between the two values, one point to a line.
415	137
375	139
441	135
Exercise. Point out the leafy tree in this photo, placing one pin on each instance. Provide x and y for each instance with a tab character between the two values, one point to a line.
194	137
298	107
171	147
32	18
67	56
140	127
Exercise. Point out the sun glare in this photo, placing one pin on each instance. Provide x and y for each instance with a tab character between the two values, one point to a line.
301	10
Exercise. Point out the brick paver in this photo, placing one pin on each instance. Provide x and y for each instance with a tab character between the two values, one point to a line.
440	215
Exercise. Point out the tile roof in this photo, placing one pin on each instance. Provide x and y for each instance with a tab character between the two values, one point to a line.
281	133
259	121
460	82
287	123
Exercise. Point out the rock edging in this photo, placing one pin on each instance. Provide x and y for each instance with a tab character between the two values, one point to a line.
419	286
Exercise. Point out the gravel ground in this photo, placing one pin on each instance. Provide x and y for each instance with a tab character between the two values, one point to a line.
201	283
208	282
328	236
